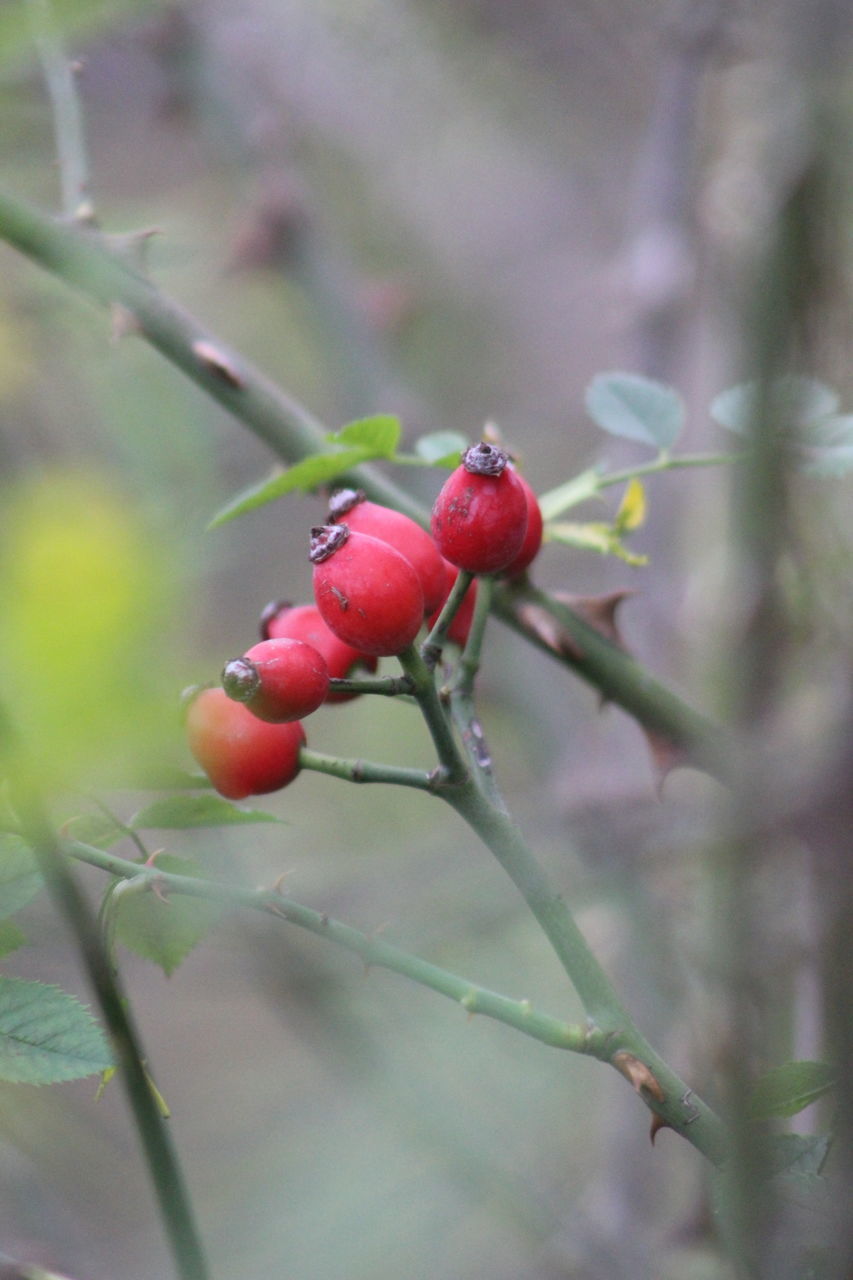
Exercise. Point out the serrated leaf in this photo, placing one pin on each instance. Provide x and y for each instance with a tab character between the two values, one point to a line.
632	509
798	401
636	408
165	930
599	537
379	434
95	829
20	878
788	1089
311	473
441	448
570	494
47	1035
182	812
11	937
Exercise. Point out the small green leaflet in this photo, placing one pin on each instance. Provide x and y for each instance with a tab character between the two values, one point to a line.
798	401
441	448
600	537
379	434
798	1153
165	930
571	494
788	1089
20	878
826	447
47	1035
181	812
636	408
357	442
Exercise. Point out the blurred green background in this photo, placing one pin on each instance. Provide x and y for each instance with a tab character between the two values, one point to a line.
456	213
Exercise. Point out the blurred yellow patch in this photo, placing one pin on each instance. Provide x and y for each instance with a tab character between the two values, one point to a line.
82	601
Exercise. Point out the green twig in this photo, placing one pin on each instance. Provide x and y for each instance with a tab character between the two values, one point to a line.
432	647
60	78
373	951
450	757
163	1165
367	771
665	462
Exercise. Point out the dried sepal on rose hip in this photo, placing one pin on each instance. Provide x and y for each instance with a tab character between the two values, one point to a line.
479	518
241	755
281	619
353	508
278	680
367	592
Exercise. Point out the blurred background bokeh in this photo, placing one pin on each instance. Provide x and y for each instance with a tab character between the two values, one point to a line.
457	213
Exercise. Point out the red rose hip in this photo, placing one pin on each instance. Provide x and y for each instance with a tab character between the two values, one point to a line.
533	535
367	592
479	518
304	622
242	755
351	507
278	680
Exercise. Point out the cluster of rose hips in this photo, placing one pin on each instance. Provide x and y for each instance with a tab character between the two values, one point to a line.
377	577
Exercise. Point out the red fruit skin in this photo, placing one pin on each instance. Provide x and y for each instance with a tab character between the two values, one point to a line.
460	627
304	622
479	521
369	595
242	755
401	533
290	678
533	536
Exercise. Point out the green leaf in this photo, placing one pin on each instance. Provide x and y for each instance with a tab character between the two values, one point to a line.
632	509
788	1089
798	401
441	448
181	812
380	435
165	931
600	537
20	878
47	1035
570	494
304	476
11	937
637	408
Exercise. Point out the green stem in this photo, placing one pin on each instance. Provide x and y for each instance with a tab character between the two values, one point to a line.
387	686
666	463
518	1014
660	1087
59	77
617	676
367	771
433	645
83	259
163	1165
450	756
